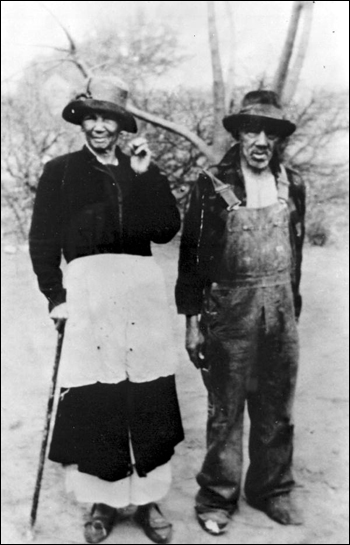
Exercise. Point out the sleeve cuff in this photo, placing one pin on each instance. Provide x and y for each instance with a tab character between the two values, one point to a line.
57	298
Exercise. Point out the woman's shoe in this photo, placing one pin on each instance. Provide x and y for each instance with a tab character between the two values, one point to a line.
153	522
101	522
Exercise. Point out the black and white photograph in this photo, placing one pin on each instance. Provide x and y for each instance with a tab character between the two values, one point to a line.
174	249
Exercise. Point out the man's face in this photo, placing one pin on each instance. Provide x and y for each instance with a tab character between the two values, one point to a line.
257	147
101	131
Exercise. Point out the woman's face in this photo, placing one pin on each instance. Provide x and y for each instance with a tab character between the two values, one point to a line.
101	131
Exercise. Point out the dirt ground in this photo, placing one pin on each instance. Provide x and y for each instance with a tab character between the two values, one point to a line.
321	416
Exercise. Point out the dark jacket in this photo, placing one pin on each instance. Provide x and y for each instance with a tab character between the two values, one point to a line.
204	226
83	207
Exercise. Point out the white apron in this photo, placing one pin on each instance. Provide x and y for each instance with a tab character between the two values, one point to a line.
118	325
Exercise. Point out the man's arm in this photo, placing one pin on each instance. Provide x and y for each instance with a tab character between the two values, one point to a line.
194	341
45	236
297	233
190	281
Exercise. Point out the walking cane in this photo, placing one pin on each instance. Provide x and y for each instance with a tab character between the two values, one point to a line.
35	502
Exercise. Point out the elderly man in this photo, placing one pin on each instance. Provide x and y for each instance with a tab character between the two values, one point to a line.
118	418
238	285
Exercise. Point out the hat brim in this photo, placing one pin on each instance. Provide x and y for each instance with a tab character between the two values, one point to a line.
244	122
75	111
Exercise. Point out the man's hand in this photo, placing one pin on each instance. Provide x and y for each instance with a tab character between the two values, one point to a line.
140	155
59	315
194	341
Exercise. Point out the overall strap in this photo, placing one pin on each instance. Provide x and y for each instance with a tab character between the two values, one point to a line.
282	185
224	190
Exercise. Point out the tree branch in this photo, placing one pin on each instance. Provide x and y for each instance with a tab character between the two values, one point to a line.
282	70
16	209
229	102
220	136
81	65
294	74
177	129
213	154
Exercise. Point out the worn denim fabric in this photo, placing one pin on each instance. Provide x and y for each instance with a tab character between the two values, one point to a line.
251	355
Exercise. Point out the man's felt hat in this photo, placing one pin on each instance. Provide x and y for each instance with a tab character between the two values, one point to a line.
260	110
104	95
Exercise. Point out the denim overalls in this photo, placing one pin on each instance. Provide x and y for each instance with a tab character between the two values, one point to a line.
251	353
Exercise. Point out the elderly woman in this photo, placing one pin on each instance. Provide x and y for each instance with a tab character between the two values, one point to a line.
118	418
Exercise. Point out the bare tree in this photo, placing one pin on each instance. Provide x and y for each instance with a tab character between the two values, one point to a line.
230	79
220	140
186	130
30	135
294	73
140	51
282	70
319	152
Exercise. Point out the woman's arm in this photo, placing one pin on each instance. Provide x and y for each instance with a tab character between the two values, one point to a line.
45	236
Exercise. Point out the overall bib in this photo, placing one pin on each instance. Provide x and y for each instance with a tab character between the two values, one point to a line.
251	353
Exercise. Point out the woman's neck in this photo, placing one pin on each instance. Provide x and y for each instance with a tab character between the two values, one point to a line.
106	157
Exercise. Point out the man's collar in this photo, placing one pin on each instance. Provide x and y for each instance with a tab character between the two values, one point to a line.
230	158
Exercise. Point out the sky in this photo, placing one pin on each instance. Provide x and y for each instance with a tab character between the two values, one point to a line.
28	29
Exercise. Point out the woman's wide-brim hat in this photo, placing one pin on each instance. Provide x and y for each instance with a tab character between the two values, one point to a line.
105	95
260	110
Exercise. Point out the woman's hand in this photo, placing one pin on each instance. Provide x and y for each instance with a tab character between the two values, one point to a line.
140	155
59	315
